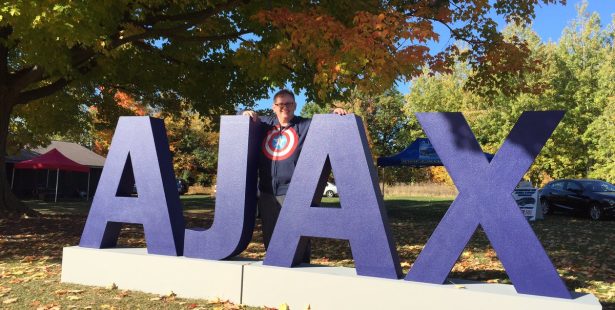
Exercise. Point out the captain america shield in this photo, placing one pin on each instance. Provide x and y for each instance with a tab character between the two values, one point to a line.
280	144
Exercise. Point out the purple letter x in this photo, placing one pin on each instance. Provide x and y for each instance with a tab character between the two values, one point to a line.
485	198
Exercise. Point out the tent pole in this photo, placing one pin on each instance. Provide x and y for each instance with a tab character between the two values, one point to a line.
87	195
57	182
384	180
13	178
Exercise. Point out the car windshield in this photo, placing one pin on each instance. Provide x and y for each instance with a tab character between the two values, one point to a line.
598	186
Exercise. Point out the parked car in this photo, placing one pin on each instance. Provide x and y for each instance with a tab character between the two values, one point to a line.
330	190
594	198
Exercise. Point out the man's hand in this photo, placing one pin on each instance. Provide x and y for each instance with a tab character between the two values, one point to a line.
253	115
340	111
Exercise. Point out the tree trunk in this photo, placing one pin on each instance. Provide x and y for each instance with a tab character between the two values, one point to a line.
9	204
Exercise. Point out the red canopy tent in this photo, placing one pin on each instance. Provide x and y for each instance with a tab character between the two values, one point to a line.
53	160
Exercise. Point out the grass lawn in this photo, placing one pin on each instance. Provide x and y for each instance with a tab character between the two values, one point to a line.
31	250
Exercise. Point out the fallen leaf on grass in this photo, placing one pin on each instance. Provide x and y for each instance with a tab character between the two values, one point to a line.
121	295
49	307
60	292
64	292
75	291
283	307
217	300
222	304
168	297
73	297
9	301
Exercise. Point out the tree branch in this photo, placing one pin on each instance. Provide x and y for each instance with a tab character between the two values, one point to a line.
152	49
26	76
188	20
208	38
42	91
193	18
83	57
456	35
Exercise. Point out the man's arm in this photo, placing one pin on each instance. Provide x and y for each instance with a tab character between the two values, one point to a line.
253	115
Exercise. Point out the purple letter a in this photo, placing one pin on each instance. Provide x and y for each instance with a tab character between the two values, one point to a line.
140	152
485	198
361	219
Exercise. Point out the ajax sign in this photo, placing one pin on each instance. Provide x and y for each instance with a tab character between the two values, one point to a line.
140	152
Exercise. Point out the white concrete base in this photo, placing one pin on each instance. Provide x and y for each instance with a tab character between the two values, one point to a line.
251	283
134	269
340	288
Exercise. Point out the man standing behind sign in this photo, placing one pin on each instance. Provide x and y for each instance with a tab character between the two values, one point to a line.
283	136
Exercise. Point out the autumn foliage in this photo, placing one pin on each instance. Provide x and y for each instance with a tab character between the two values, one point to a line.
219	54
113	104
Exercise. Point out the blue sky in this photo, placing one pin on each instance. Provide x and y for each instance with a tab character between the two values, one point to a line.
549	23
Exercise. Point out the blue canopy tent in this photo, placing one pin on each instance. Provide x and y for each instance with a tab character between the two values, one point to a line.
419	154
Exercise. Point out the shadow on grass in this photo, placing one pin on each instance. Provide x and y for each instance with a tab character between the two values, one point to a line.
580	249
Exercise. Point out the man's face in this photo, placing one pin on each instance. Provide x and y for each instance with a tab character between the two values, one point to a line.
284	108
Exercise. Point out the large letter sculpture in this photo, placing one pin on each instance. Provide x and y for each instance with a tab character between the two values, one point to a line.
235	214
485	198
139	149
361	219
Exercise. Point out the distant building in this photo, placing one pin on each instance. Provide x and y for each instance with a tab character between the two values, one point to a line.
40	184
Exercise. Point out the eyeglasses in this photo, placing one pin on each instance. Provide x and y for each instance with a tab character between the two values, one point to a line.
283	104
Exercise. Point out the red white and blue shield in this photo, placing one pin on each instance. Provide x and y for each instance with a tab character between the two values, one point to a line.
280	144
